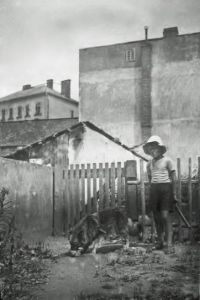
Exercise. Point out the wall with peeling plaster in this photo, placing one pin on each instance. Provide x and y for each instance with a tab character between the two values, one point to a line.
111	96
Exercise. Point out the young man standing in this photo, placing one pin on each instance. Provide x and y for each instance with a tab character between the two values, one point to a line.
162	176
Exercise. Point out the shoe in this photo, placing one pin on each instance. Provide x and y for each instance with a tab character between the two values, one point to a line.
169	249
158	247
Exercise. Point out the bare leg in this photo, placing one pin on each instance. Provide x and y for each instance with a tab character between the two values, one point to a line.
168	226
159	228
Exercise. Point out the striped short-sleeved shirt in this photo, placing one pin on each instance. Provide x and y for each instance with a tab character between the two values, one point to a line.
160	169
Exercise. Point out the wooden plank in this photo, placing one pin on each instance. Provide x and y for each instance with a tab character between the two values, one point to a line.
58	208
53	204
119	184
88	189
112	184
67	204
77	195
179	199
190	196
107	190
142	197
71	193
101	194
198	190
131	190
97	172
82	214
94	199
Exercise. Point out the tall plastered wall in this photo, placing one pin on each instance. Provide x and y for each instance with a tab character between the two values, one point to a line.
175	95
110	90
113	92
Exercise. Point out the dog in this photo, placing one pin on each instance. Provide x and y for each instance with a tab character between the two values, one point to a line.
94	226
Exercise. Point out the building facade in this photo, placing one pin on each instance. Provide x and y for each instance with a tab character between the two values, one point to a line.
137	89
40	102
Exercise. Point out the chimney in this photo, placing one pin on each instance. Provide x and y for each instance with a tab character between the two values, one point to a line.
170	32
50	83
26	87
66	88
146	32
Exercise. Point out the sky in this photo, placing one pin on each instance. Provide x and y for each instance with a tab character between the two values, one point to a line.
40	39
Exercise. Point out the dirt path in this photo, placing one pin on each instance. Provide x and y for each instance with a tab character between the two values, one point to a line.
133	274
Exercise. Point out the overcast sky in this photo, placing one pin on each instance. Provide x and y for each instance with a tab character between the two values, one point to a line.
40	39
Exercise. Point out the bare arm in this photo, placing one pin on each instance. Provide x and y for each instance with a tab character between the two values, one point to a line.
173	178
149	177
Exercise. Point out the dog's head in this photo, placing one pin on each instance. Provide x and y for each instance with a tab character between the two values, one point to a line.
85	232
77	239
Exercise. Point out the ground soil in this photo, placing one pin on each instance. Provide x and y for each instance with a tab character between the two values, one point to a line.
119	274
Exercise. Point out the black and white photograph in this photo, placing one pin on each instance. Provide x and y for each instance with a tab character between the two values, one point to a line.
99	150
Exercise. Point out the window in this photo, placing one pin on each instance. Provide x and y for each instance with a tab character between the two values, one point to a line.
38	109
10	114
19	115
3	112
130	55
27	111
72	114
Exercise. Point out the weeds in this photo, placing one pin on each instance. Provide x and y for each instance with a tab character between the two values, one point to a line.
20	264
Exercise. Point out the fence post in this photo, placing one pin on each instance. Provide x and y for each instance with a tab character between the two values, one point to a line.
142	197
119	184
198	189
179	198
94	199
82	190
131	204
190	197
112	184
101	194
53	206
77	194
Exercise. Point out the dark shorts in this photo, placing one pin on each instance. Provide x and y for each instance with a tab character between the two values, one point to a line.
161	197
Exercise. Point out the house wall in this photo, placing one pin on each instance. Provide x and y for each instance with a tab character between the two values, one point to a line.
88	146
59	108
175	95
111	94
23	102
110	90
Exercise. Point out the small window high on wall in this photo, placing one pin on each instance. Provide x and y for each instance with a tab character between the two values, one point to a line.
130	55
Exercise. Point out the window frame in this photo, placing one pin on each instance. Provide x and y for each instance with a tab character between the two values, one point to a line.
19	112
10	114
38	109
130	55
3	115
27	107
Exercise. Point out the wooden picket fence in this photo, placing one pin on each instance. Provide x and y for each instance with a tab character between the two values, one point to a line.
91	188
